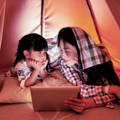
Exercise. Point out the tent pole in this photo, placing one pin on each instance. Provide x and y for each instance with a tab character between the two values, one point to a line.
41	19
93	18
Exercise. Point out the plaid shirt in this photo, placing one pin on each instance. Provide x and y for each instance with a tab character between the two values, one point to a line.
86	91
90	53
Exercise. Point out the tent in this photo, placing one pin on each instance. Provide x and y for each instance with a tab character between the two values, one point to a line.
99	18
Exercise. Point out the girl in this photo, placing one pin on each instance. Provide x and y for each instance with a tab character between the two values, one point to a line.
32	62
85	64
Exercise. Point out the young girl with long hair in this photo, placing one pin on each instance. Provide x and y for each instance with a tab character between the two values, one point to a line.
32	62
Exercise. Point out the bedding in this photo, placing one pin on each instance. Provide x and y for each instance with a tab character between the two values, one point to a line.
12	93
25	112
20	106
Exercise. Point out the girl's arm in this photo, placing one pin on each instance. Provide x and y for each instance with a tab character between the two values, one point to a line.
25	75
112	89
38	69
43	71
79	105
86	91
68	72
31	80
28	77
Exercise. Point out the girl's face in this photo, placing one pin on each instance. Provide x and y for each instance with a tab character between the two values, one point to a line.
69	50
39	56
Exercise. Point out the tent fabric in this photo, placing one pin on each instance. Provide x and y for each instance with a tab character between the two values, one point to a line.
24	16
25	112
21	17
47	17
61	13
107	15
2	16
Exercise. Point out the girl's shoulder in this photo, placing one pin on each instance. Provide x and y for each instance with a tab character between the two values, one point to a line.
21	64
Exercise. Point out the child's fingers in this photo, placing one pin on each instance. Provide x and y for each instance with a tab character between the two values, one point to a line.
33	60
33	63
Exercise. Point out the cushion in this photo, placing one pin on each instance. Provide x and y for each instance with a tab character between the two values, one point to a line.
53	49
12	93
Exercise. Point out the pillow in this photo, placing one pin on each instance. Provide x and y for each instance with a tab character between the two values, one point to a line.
12	93
53	49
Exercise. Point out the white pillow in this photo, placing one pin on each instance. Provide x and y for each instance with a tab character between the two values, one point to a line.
53	49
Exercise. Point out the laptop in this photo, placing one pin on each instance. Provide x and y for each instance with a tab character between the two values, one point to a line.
52	98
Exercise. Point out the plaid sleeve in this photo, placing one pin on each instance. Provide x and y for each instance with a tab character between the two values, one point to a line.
90	90
72	76
105	100
69	72
23	73
86	91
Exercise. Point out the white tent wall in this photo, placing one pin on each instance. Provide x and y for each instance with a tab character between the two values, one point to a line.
62	13
47	17
21	17
24	16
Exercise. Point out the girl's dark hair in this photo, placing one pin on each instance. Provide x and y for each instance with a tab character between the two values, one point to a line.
30	41
68	36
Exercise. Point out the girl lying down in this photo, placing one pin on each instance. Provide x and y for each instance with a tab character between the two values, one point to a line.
85	64
32	62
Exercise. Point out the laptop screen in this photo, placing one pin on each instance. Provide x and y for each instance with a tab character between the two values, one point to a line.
52	98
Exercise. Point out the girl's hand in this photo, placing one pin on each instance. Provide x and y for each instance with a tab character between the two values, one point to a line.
113	89
78	105
37	65
43	64
34	64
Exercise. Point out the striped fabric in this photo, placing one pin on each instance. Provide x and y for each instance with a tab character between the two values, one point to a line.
90	53
23	72
105	99
69	72
86	91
